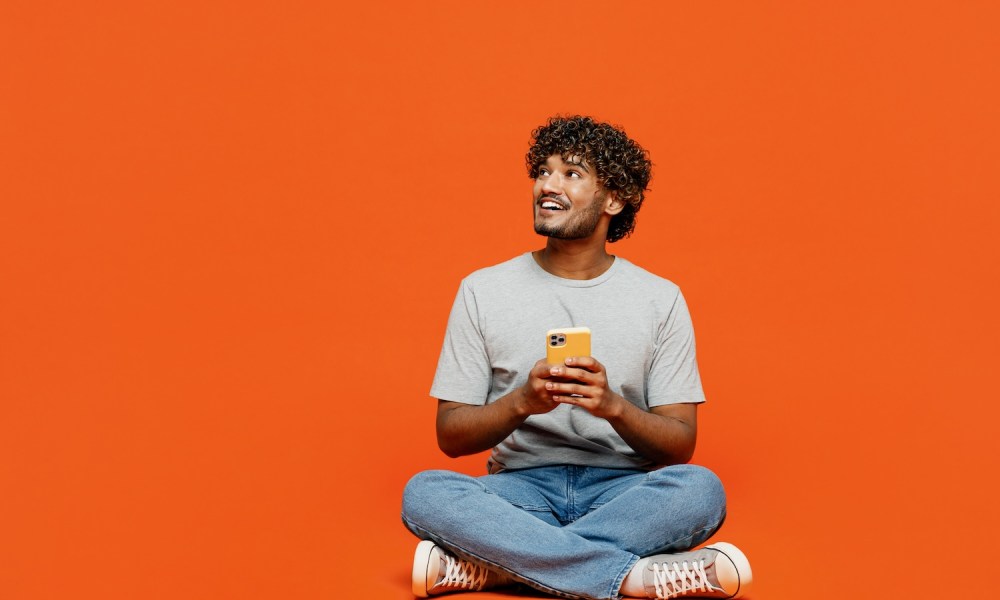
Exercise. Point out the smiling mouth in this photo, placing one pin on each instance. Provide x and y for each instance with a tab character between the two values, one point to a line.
551	204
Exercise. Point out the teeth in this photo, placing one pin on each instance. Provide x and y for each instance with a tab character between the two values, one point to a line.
551	205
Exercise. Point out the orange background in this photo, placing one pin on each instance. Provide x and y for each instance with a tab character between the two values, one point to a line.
231	233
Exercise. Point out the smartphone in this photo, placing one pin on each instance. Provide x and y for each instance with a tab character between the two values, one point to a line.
563	343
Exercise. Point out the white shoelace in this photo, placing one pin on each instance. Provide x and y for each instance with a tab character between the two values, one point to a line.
677	579
463	574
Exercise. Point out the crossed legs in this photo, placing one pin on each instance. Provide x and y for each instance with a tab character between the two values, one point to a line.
570	531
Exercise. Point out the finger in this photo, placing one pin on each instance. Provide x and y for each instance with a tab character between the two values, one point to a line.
579	375
583	402
566	389
564	373
567	400
541	370
588	363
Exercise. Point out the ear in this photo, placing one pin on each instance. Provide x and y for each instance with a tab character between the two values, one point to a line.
612	205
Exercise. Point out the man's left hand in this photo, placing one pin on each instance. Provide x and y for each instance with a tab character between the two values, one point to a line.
584	383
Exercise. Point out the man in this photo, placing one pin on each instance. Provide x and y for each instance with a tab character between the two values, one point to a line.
588	493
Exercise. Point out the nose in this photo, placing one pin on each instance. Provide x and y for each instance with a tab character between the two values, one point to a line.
552	184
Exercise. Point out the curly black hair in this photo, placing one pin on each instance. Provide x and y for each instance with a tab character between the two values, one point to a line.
622	165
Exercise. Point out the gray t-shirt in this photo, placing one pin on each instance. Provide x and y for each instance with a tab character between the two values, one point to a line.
641	332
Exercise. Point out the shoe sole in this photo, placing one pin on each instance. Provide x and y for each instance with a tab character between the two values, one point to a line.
422	560
742	565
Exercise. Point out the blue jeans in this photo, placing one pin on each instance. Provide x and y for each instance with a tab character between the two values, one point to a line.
569	531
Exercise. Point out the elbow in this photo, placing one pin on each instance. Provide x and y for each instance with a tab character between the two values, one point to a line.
449	437
451	447
688	441
452	436
674	457
679	454
685	456
686	452
449	451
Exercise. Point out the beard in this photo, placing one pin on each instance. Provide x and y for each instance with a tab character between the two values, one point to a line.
581	226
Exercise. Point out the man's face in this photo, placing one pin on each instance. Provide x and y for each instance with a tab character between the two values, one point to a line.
569	201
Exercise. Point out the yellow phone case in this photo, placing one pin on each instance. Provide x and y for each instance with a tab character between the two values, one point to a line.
566	342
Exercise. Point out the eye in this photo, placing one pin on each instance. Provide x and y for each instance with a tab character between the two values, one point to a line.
574	174
542	171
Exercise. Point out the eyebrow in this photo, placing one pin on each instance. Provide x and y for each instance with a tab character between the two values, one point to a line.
580	164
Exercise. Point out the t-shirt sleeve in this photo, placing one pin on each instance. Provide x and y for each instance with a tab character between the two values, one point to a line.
673	375
463	371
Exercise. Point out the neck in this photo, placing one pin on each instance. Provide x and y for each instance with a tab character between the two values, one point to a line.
574	259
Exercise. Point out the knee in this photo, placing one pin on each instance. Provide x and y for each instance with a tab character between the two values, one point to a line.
427	492
706	481
699	483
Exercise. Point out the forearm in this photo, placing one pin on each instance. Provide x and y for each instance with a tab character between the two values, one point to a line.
663	439
467	429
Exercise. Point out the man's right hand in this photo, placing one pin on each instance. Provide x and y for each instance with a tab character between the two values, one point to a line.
534	399
466	428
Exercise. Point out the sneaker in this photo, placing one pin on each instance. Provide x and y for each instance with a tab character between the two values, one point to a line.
716	571
435	571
